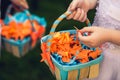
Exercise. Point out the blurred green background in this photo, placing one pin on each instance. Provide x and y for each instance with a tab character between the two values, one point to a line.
29	67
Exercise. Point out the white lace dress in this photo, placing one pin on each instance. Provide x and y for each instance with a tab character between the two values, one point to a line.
108	16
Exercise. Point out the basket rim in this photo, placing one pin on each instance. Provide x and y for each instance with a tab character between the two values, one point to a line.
18	42
77	66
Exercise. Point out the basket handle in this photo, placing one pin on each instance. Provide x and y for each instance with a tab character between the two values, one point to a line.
28	15
8	11
25	11
59	19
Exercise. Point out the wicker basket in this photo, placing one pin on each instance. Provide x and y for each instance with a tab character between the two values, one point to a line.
20	47
17	48
72	72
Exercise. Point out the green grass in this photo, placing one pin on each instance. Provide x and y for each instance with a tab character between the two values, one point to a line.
29	66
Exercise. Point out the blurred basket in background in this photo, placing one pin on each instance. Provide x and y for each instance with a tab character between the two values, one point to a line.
22	44
72	69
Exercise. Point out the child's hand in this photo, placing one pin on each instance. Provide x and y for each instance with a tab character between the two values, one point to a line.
79	9
20	3
97	36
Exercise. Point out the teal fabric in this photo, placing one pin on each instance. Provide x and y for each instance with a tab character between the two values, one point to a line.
77	66
18	42
22	17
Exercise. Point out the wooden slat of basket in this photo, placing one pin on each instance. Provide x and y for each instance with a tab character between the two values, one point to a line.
57	73
72	75
15	51
25	48
94	71
8	47
84	72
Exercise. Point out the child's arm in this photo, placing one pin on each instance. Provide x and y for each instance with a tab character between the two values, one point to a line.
99	36
115	37
20	3
92	3
79	9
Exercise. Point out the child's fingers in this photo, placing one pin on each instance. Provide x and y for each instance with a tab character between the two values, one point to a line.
77	15
82	15
87	29
69	8
71	15
87	44
73	5
20	4
23	3
85	17
83	38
